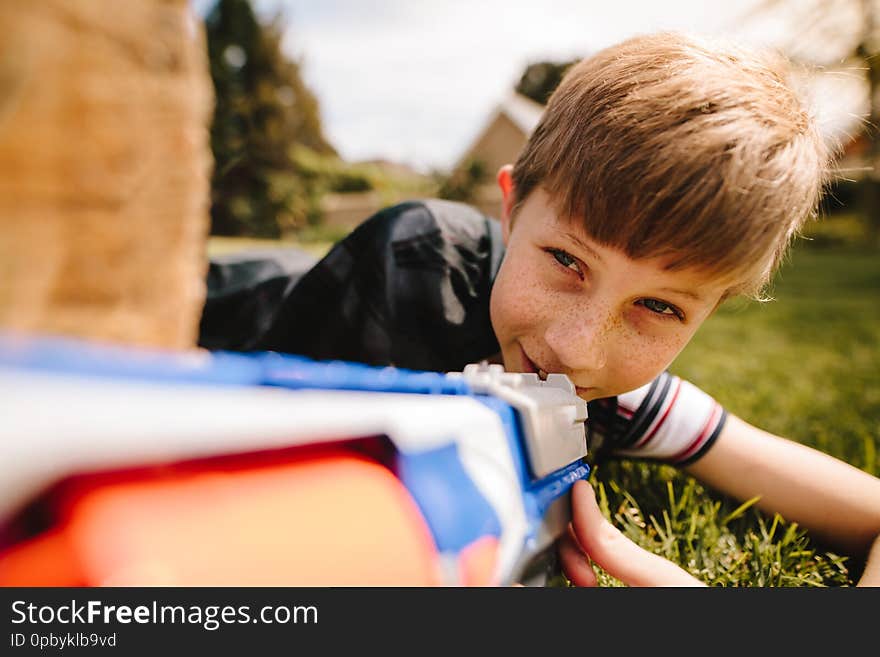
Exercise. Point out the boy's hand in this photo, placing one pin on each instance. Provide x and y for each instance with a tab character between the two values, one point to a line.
592	539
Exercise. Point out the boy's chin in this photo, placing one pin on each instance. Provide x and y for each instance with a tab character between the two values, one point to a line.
589	394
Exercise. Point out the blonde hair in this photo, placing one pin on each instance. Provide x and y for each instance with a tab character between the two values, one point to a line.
667	145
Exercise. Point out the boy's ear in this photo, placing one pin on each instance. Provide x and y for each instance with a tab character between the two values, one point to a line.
505	182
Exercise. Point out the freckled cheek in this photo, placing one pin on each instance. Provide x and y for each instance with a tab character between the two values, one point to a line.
638	357
641	322
631	363
518	303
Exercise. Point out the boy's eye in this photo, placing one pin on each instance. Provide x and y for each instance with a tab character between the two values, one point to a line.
566	260
661	308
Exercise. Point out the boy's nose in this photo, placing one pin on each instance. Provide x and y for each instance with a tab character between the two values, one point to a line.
578	344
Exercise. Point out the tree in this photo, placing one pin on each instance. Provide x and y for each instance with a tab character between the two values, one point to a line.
263	109
540	79
462	184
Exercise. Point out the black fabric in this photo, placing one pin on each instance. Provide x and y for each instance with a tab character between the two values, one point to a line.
409	287
605	426
245	292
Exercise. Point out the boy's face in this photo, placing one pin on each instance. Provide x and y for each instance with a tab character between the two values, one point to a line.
564	303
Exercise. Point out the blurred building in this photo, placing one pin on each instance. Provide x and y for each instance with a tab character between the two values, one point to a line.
499	142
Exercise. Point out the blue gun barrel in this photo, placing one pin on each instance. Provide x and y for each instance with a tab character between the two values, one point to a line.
485	456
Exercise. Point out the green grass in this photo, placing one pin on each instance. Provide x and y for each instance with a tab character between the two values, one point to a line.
805	366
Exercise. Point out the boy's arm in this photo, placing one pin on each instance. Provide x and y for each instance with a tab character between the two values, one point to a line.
834	500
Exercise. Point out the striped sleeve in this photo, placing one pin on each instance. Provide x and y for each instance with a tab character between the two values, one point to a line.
669	419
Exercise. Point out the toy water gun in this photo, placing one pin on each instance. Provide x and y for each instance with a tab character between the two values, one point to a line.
129	467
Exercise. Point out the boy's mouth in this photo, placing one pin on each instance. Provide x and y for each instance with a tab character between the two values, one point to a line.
529	366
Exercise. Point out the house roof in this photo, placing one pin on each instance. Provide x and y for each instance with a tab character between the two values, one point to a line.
523	111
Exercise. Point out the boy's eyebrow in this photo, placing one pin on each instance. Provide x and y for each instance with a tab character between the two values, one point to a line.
586	247
684	293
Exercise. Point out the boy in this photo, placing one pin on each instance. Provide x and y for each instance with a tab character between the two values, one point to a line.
666	176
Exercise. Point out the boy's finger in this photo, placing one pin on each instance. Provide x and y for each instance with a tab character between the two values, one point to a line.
614	552
575	564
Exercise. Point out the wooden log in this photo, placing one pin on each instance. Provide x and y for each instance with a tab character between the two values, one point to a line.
105	165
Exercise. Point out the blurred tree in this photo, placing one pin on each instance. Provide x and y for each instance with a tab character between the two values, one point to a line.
263	109
463	182
540	79
839	34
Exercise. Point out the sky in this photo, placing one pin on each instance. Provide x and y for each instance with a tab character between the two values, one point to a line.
414	81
